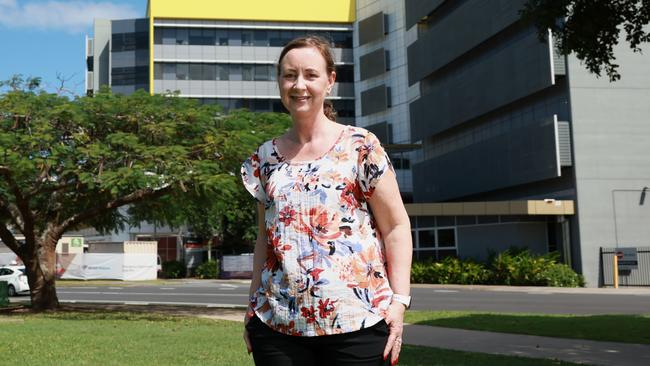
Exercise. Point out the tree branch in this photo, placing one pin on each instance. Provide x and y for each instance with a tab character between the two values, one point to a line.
21	203
12	213
91	213
9	240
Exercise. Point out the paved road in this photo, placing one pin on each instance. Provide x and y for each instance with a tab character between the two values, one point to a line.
498	299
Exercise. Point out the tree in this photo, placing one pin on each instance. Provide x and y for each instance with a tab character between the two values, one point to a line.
67	164
591	28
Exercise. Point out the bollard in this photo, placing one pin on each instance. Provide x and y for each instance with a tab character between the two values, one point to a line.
4	293
615	270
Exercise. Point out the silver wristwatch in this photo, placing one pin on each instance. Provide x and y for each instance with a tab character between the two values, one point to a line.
402	299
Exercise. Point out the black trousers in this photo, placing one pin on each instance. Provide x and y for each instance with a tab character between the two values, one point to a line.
364	347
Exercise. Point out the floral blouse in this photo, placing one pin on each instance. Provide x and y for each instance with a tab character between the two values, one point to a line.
325	270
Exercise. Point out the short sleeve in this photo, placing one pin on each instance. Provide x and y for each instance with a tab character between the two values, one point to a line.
373	164
250	175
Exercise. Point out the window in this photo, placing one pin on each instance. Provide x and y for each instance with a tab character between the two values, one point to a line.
158	71
261	38
261	73
345	74
209	37
169	36
247	72
222	72
222	37
447	238
234	37
235	72
427	238
261	105
182	36
169	71
196	72
196	36
209	71
274	39
247	38
157	36
182	71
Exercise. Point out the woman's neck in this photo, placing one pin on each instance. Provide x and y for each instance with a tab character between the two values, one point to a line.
306	129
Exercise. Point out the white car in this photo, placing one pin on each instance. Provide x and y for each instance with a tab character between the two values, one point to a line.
16	278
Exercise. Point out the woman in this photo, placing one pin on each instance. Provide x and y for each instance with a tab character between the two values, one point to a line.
332	260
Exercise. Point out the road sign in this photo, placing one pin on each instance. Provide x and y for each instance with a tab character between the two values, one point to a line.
627	258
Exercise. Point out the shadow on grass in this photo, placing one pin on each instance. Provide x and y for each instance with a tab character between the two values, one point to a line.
612	328
87	312
421	356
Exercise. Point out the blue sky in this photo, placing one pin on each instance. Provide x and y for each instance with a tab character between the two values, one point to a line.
46	37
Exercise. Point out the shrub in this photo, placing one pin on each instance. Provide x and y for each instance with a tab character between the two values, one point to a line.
513	267
449	271
173	269
208	270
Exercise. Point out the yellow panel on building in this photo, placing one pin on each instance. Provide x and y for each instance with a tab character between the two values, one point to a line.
325	11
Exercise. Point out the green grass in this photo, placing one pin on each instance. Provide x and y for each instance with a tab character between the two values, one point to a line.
632	328
112	338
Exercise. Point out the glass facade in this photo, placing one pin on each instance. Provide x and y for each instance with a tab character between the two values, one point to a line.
243	37
344	108
230	71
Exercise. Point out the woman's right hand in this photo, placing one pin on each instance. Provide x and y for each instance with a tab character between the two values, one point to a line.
247	318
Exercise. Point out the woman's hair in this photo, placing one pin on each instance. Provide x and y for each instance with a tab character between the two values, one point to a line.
323	46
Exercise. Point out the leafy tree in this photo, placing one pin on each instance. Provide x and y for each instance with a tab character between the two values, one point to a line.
67	164
591	28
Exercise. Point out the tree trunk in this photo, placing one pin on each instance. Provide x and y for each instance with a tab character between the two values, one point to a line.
41	275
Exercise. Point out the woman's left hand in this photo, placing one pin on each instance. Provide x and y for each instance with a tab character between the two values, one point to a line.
395	320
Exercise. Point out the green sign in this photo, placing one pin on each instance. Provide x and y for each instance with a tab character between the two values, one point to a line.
76	242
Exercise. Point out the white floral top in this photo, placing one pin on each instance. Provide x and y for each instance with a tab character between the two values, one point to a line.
325	271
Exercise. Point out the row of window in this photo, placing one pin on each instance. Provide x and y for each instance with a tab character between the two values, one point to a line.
130	75
243	37
129	41
235	72
344	108
434	243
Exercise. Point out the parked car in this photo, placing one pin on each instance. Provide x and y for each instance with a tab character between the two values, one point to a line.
16	278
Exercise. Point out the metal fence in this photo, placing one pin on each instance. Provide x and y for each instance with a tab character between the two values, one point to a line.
633	277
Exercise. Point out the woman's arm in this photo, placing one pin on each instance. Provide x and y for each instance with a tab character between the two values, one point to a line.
259	254
395	228
259	257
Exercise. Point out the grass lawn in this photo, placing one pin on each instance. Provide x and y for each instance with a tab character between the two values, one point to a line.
120	338
631	328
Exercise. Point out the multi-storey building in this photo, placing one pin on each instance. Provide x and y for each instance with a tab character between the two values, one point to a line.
497	139
218	52
520	145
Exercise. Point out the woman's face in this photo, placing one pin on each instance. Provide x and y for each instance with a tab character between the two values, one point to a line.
304	82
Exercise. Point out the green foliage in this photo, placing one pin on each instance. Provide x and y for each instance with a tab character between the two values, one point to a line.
591	29
72	163
513	267
449	271
522	268
208	270
173	269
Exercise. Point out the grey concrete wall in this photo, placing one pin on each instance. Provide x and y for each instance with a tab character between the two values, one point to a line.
474	241
611	130
101	49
